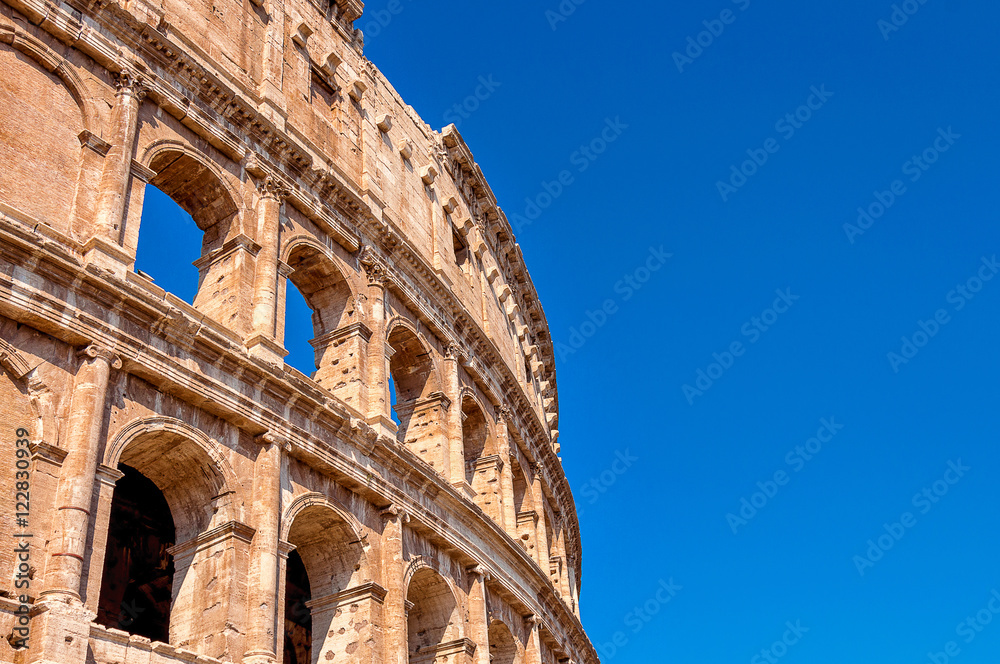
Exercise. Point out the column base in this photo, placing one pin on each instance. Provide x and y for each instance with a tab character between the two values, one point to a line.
260	658
266	349
60	633
107	255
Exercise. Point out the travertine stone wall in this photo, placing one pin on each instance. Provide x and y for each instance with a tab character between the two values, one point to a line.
313	517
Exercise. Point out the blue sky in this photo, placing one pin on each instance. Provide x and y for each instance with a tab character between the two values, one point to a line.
899	122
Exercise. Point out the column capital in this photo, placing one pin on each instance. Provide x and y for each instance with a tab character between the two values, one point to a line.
479	571
505	415
271	188
271	438
131	84
96	351
367	433
373	267
453	351
394	511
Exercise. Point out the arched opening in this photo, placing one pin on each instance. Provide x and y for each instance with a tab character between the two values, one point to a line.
524	508
418	404
138	568
327	564
504	648
475	438
201	212
298	618
298	331
433	617
337	346
165	224
482	464
173	491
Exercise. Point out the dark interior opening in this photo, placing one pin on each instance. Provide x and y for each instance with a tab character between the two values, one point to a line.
138	572
298	618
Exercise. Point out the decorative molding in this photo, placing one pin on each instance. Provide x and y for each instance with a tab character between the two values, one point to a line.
366	433
95	352
368	591
93	142
373	266
131	84
231	530
271	188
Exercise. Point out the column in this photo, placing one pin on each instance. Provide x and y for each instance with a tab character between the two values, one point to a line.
273	102
479	621
507	472
455	450
541	537
104	245
262	342
393	569
378	385
64	568
262	618
533	648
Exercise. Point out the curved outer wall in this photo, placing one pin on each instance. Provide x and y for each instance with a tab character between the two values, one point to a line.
436	528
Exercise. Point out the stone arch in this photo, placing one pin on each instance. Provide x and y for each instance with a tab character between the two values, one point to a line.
477	434
524	509
433	617
328	605
312	499
205	192
321	280
42	129
199	489
161	448
193	180
55	64
505	648
419	404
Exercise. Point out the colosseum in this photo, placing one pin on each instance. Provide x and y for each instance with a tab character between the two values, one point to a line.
173	490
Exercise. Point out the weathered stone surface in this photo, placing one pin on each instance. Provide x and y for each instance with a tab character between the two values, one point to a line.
193	499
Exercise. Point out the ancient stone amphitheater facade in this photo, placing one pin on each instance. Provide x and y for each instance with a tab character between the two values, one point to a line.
172	491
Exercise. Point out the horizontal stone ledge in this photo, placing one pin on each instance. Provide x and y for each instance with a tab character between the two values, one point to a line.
368	591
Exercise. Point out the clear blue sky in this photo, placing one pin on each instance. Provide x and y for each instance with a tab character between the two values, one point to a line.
882	97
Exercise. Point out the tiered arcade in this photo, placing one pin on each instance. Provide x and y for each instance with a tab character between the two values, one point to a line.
192	497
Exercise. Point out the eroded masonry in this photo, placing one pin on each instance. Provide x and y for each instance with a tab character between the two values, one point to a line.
192	497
